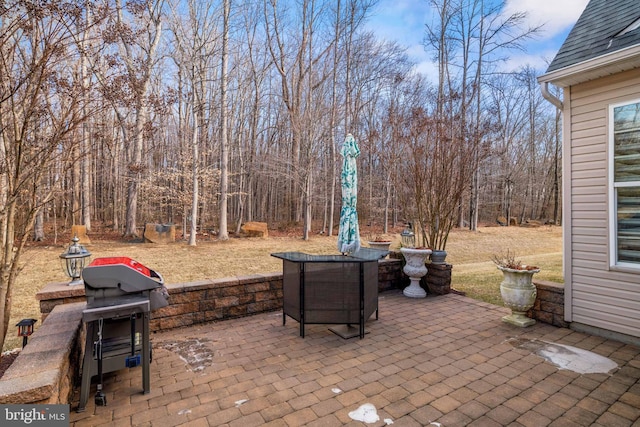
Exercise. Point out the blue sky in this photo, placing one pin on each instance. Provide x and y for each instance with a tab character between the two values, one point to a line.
404	21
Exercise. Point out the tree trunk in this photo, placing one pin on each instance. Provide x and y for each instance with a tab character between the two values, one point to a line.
134	172
332	123
224	143
195	177
139	74
38	229
86	142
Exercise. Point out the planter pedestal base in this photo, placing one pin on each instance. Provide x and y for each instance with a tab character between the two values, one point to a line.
414	290
518	319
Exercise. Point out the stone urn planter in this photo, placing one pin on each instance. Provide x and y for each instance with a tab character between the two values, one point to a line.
438	256
518	293
378	244
415	268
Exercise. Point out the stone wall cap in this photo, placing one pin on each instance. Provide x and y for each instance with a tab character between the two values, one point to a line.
30	388
548	284
55	290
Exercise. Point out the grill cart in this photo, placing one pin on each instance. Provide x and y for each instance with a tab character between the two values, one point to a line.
121	293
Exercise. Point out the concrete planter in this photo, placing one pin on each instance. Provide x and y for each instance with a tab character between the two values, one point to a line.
519	294
415	269
438	256
384	246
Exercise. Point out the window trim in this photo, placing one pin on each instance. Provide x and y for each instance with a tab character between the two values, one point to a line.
612	187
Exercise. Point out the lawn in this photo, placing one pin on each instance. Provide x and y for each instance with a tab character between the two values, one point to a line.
470	253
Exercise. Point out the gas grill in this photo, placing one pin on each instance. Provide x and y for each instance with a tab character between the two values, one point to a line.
120	293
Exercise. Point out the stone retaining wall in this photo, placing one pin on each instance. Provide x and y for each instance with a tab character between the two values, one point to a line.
47	368
199	302
549	305
209	300
438	279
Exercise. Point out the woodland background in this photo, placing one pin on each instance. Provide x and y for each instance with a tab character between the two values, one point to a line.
211	113
113	100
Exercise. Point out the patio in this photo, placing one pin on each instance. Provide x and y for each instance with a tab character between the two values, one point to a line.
445	359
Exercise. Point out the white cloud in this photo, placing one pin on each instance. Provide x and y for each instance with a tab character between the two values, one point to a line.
556	15
404	21
401	20
424	64
538	60
428	69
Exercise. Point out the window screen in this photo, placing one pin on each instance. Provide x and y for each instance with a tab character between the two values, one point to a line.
626	177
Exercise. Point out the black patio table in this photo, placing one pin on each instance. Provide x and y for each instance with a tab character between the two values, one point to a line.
331	289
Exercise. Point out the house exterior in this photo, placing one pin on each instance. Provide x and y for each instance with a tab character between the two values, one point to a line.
598	70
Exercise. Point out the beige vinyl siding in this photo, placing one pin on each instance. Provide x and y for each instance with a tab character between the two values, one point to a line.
590	145
600	296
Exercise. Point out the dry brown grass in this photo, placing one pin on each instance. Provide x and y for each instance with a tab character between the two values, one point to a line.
469	252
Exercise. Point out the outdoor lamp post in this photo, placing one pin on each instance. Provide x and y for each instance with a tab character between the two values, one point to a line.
25	329
408	237
74	260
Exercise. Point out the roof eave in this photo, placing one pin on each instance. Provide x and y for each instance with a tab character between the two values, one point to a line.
591	69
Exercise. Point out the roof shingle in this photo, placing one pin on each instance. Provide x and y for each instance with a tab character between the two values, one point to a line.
596	32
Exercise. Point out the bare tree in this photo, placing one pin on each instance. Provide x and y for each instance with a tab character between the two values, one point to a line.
195	44
511	120
136	28
257	68
223	234
39	95
469	38
437	172
85	147
294	58
332	175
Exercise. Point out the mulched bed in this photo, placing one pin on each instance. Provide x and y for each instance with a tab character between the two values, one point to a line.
7	359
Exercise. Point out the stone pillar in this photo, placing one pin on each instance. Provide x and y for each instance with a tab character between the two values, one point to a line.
389	274
438	279
549	305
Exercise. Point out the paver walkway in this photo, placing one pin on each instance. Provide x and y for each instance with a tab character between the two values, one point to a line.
446	359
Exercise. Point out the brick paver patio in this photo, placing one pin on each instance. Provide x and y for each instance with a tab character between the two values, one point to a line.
446	359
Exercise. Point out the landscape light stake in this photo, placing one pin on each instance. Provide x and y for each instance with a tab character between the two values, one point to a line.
25	329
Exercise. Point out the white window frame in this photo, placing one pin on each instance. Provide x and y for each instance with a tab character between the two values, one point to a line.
613	186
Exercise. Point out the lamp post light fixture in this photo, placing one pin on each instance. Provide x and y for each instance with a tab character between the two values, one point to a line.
408	237
25	329
74	260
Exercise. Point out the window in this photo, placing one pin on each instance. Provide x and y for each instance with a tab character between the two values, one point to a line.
624	125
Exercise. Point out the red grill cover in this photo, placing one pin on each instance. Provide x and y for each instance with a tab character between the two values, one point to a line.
126	261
